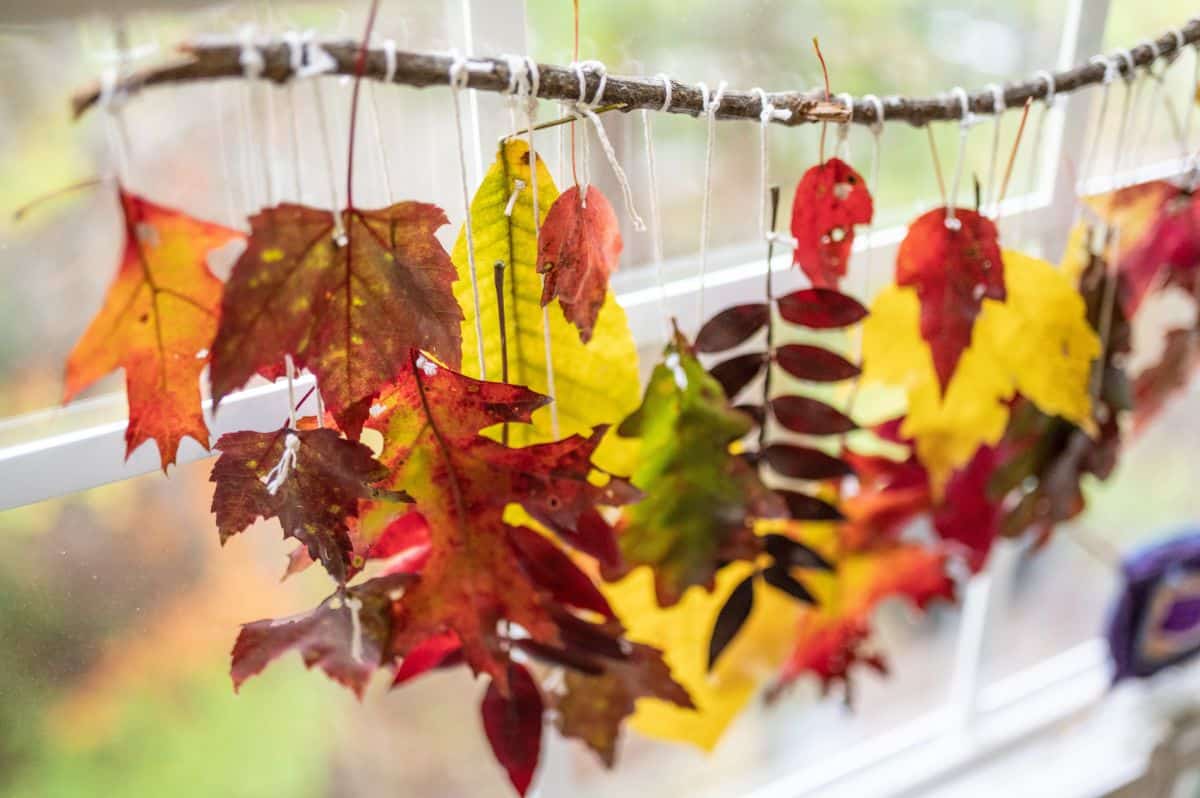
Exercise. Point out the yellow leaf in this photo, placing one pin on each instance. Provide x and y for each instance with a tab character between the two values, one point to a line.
596	383
1037	343
683	631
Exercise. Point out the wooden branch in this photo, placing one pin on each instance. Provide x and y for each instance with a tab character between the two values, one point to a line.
221	59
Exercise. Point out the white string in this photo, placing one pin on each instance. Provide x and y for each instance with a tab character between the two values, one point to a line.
1191	107
712	101
385	167
585	108
295	63
275	478
1110	74
458	80
876	150
1048	104
656	236
842	147
111	101
998	106
251	61
1131	86
339	230
766	114
966	121
1155	92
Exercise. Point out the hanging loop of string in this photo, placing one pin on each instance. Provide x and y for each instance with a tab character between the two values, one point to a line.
842	148
656	236
112	100
876	139
1127	102
1048	103
1186	134
966	121
458	77
998	108
712	101
385	166
583	106
1110	74
766	115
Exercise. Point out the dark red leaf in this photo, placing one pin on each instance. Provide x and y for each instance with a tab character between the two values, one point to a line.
594	536
821	309
432	653
513	723
830	199
346	635
814	363
808	416
953	268
566	657
800	462
793	554
731	327
777	577
550	567
803	507
731	618
735	374
754	411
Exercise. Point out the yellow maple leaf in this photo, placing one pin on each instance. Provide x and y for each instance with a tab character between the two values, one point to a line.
1037	343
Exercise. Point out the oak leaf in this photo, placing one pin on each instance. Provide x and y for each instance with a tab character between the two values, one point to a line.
347	306
157	322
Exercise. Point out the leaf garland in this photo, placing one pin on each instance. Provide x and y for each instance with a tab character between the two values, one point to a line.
157	322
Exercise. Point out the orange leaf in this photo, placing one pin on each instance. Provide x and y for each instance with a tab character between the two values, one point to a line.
157	322
580	248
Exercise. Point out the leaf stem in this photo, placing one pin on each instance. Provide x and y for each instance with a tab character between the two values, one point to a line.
498	278
562	120
360	66
1012	158
766	394
71	188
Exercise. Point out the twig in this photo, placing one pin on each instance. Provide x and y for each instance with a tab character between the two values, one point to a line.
209	59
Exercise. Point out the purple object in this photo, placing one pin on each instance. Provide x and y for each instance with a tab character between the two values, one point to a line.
1156	620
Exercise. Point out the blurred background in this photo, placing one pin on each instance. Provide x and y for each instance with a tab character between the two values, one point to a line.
118	607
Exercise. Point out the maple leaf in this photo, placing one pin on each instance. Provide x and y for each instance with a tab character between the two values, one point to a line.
311	480
1038	343
593	707
830	199
953	268
595	383
580	248
346	635
348	308
462	482
157	322
700	499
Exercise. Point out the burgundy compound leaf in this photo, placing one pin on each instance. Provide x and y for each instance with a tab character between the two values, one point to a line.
731	618
803	507
814	363
821	309
731	327
801	462
513	723
737	372
808	416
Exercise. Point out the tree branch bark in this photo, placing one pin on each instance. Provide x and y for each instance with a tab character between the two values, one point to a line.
211	60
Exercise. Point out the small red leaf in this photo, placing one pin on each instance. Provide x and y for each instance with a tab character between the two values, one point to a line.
821	309
580	249
830	199
800	462
731	327
551	568
735	374
513	724
407	540
731	618
954	267
432	653
814	363
808	416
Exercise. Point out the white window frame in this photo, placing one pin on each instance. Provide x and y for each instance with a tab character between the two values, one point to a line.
977	721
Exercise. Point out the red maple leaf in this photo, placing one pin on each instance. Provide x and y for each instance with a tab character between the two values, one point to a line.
350	308
157	322
954	266
580	249
830	199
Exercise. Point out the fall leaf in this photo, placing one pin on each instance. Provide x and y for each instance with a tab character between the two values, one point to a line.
157	322
953	267
347	307
1167	253
346	635
830	199
476	576
580	249
1157	384
1038	343
592	708
701	500
595	383
512	720
311	480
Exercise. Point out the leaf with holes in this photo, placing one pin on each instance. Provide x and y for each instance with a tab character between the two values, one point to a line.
701	500
484	576
346	635
157	322
348	307
580	249
830	200
311	480
954	266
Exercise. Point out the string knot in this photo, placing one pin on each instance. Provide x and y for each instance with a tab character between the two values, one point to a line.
287	463
584	106
250	58
877	105
1051	87
667	88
